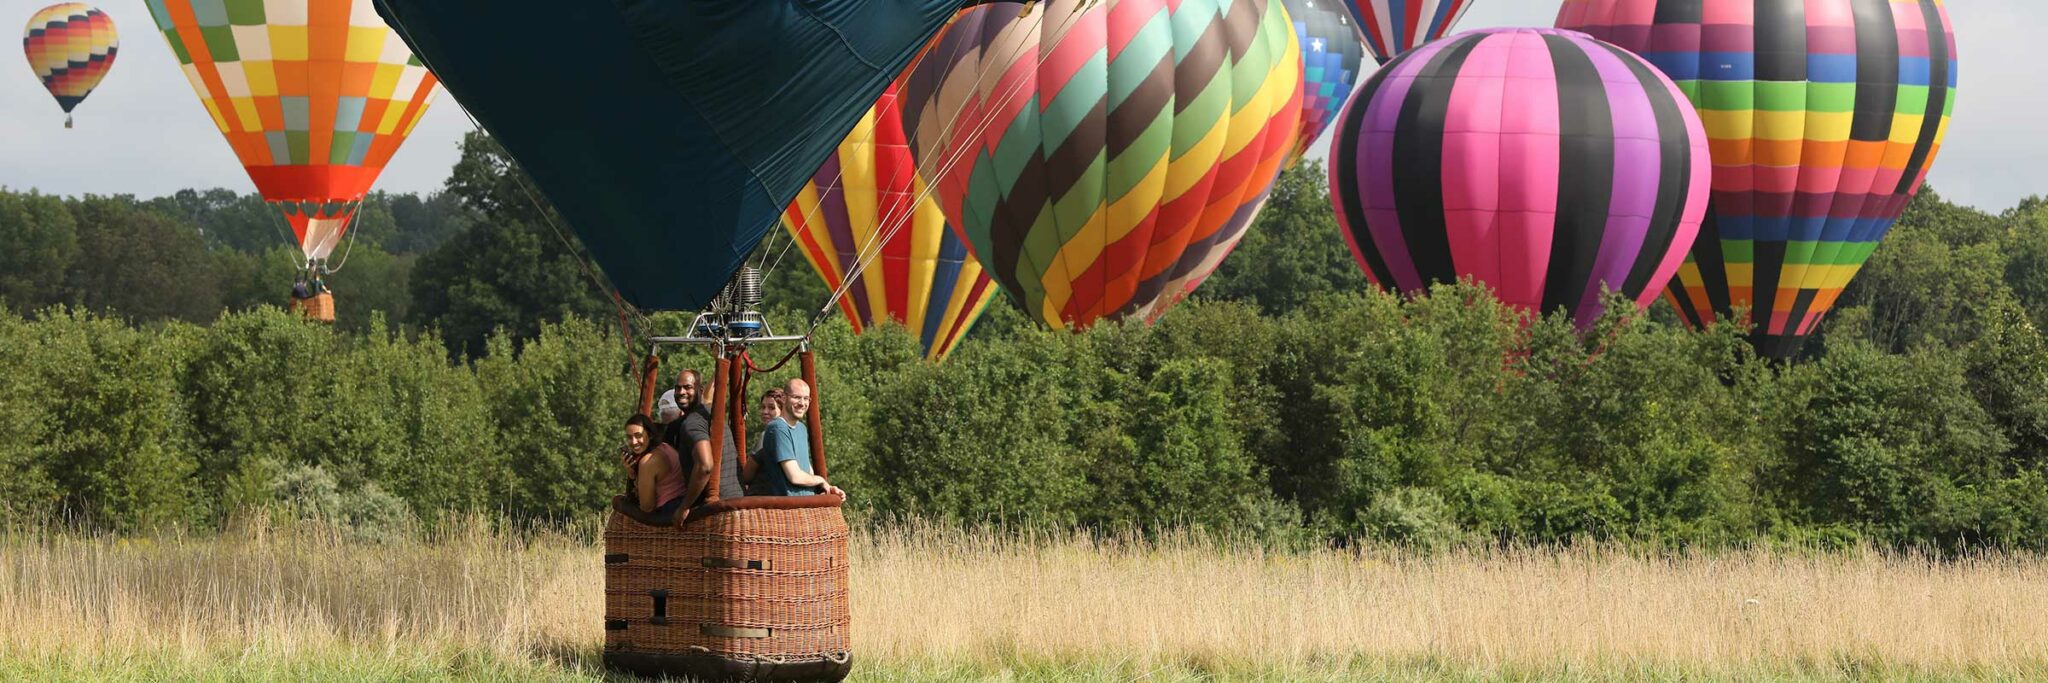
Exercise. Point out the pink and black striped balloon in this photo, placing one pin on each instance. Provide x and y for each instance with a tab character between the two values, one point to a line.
1542	163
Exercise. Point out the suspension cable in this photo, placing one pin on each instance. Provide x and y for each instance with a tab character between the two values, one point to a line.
348	228
867	138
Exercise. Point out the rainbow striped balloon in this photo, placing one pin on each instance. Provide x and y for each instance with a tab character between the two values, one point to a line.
70	46
868	203
1824	116
1543	163
1095	158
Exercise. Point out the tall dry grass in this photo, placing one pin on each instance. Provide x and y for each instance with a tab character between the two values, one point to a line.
952	595
929	598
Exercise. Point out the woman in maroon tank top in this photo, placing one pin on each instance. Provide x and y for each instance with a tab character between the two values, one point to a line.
653	467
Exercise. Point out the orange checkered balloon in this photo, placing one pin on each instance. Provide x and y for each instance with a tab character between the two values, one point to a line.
70	46
313	95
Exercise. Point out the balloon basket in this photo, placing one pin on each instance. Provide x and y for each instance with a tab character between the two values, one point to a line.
750	589
320	307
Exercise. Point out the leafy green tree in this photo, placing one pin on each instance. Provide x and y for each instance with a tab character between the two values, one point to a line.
1656	427
371	282
26	487
243	222
139	263
2026	249
1184	461
509	271
987	436
256	279
1894	446
419	224
262	384
1294	251
401	419
120	448
40	241
558	404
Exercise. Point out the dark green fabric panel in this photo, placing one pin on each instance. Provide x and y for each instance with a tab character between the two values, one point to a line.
670	133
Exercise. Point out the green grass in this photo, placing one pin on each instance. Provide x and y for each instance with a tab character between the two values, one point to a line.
584	665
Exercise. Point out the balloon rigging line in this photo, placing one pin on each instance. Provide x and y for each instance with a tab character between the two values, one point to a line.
877	239
839	174
348	227
285	235
948	164
987	121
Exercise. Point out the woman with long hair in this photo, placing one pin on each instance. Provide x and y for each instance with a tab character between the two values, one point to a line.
653	468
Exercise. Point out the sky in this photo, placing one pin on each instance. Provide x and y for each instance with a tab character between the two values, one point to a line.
143	132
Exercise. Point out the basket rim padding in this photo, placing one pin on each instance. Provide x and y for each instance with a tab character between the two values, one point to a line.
720	507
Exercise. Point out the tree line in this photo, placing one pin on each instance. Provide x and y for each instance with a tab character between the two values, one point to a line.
1289	401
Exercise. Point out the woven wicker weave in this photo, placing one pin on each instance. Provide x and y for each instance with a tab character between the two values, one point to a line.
754	589
320	307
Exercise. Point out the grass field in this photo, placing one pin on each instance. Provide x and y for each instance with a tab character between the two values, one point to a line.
280	603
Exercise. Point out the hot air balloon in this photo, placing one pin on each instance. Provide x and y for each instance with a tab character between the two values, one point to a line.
1392	27
70	46
672	136
1330	57
1824	117
314	96
1107	153
866	215
1545	164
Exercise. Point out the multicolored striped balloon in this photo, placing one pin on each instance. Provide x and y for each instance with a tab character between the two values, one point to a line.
1543	163
1824	116
1392	27
868	203
313	95
1330	57
70	46
1095	158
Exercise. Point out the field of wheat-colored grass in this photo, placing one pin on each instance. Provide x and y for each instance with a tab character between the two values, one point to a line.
943	605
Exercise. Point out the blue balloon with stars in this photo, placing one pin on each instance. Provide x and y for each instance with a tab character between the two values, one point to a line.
1330	59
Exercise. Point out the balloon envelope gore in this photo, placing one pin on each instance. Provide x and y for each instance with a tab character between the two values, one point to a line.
1824	117
1547	165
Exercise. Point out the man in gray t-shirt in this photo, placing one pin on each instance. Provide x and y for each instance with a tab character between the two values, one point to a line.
697	429
694	428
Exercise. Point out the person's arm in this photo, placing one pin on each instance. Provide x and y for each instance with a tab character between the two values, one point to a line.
702	466
787	453
798	477
699	462
748	468
651	470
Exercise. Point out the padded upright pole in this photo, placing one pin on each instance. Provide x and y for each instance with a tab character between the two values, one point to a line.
814	421
719	376
647	370
740	376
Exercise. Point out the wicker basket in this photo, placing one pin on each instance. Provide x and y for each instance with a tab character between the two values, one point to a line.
752	589
320	307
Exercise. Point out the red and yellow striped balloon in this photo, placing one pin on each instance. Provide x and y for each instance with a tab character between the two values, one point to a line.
70	46
866	216
1097	154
